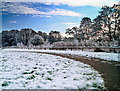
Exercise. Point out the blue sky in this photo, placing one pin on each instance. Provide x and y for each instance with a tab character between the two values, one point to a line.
47	15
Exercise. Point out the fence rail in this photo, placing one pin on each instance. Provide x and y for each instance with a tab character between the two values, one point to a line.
96	49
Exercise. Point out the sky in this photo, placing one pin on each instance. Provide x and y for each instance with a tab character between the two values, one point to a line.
47	15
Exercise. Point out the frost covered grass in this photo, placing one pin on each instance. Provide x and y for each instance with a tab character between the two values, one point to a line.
25	70
100	55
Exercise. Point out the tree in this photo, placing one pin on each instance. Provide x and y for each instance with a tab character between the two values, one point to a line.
105	13
85	27
81	32
24	35
75	43
69	31
116	21
54	36
97	23
107	24
37	40
43	35
97	33
9	38
74	31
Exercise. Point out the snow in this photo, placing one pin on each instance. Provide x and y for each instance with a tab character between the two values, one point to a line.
100	55
25	70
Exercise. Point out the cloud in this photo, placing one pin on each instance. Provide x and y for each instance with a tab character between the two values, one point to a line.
48	16
70	2
19	8
69	23
63	12
13	22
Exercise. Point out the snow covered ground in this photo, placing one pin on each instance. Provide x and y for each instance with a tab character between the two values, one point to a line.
101	55
23	70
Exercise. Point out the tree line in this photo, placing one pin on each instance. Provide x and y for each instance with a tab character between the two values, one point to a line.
103	30
28	36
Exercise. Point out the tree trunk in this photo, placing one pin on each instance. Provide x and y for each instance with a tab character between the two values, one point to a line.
109	27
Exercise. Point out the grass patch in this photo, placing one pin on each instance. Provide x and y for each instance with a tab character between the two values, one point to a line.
57	70
36	63
65	66
28	72
5	83
18	68
34	67
87	73
48	79
26	82
75	79
81	89
56	63
50	72
38	87
37	73
32	77
94	85
68	61
4	60
42	74
85	67
29	59
89	78
65	77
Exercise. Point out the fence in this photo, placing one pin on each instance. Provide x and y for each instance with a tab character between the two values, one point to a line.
95	49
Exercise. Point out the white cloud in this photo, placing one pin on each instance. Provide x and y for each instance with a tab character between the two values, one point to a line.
42	16
63	12
70	2
69	23
24	9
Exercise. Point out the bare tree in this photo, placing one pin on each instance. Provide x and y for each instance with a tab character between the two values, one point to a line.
37	40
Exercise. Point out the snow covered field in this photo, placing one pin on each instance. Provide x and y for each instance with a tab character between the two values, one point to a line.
101	55
23	70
